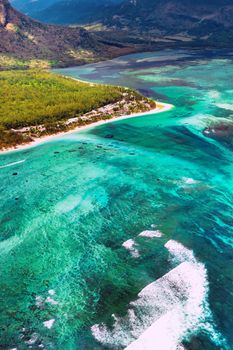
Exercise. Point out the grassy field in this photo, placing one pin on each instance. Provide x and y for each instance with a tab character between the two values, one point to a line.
34	98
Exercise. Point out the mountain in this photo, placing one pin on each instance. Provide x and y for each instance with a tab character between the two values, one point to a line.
172	15
22	38
115	27
74	11
155	22
186	20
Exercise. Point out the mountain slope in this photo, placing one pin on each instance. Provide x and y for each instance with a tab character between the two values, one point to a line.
26	39
183	14
74	11
198	23
198	20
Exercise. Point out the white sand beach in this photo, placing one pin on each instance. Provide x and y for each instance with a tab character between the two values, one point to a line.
160	107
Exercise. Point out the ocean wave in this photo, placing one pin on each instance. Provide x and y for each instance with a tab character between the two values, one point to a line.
167	311
151	234
214	94
227	106
189	181
131	246
179	253
49	324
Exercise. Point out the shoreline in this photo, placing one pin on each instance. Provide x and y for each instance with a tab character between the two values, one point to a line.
161	107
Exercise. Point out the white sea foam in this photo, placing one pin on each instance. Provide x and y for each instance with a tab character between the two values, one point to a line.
199	121
167	311
11	164
39	301
189	181
49	324
228	106
158	317
131	246
128	244
33	339
179	253
51	292
151	234
51	301
214	94
150	340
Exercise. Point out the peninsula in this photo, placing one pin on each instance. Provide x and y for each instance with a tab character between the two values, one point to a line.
36	104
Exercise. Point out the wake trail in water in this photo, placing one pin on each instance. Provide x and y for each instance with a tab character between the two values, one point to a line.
12	164
172	309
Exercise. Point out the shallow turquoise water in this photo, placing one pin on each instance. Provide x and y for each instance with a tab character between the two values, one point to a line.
74	201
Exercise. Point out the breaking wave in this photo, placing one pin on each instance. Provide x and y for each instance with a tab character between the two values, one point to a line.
131	246
167	311
151	234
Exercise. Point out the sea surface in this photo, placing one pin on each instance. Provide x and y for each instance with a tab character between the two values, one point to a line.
120	236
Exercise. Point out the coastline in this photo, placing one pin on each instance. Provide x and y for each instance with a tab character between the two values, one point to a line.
160	107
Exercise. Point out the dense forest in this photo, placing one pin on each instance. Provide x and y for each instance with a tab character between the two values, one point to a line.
31	98
43	102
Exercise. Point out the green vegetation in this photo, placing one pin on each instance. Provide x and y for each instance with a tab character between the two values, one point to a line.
9	62
32	98
33	103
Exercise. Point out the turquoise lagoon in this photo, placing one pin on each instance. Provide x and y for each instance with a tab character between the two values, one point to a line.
121	235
